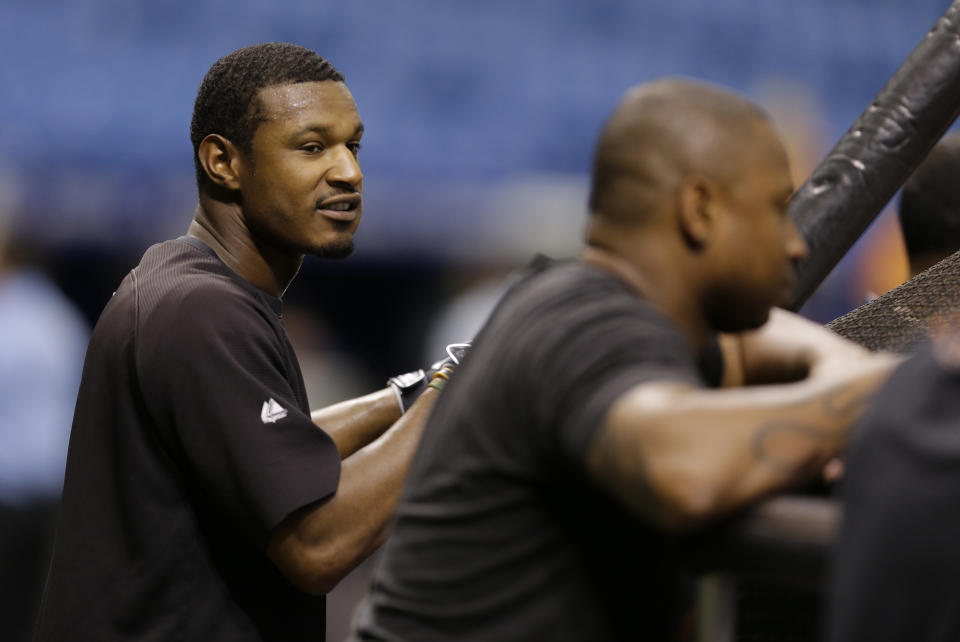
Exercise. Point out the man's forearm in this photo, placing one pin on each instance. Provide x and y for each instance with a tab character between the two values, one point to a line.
680	456
318	545
354	423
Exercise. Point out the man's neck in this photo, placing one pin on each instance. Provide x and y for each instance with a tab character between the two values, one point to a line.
221	227
663	288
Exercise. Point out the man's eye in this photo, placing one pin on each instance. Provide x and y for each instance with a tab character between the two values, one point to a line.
312	148
354	147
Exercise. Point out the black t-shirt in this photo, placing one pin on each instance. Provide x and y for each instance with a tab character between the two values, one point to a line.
500	534
897	562
191	441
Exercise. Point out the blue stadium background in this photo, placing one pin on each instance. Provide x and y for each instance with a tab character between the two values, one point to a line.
458	97
479	116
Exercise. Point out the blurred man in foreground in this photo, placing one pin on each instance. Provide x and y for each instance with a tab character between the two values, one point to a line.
895	564
584	436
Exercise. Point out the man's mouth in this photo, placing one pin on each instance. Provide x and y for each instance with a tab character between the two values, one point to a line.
340	208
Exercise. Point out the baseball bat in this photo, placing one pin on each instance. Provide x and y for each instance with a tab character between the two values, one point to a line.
851	186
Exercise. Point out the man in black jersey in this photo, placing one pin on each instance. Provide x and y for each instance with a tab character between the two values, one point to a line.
584	437
895	565
202	501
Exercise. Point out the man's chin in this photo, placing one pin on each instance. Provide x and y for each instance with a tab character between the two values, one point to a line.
339	250
757	321
741	320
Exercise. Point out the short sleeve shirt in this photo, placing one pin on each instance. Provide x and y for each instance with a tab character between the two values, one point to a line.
500	534
191	441
896	570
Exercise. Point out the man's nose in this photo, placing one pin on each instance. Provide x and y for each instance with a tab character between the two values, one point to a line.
796	246
346	168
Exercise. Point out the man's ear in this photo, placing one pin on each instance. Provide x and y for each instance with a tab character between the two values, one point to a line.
221	161
696	209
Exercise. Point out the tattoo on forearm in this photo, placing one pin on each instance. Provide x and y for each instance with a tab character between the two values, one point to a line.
846	403
780	442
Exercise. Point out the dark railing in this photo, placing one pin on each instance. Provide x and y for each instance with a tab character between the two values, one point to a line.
784	543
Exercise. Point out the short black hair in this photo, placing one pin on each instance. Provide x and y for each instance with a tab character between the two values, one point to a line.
227	99
930	203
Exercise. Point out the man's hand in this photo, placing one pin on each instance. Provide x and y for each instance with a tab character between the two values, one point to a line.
786	348
409	386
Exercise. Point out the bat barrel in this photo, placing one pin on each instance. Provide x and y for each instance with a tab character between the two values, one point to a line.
860	175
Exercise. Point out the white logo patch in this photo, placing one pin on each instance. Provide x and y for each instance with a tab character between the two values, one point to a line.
271	412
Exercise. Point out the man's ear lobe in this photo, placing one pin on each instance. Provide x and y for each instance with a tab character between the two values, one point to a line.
695	209
221	161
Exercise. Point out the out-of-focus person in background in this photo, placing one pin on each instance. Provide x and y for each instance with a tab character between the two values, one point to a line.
929	211
43	337
924	229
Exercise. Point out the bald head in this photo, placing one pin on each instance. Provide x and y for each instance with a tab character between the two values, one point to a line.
930	206
690	188
662	132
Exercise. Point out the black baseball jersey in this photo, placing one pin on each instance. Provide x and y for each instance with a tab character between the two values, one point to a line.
897	562
500	534
191	441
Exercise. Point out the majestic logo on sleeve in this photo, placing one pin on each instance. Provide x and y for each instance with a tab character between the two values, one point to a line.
272	412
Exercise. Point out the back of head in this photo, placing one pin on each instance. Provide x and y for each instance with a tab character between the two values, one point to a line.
661	132
227	102
930	206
